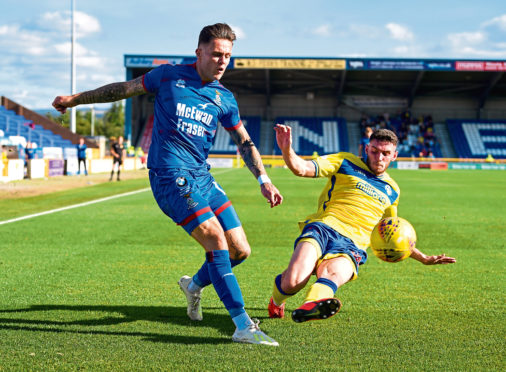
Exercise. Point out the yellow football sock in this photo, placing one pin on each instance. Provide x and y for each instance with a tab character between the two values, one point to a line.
319	291
278	296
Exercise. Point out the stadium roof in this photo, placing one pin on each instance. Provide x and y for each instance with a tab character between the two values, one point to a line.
386	77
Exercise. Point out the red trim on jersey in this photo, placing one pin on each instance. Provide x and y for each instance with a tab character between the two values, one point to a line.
235	127
195	215
222	208
144	85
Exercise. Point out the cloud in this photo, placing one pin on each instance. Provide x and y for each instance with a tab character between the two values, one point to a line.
499	22
60	21
399	32
13	39
323	30
366	31
36	56
461	39
475	44
239	32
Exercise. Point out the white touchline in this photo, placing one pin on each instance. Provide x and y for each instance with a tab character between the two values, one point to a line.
86	203
74	206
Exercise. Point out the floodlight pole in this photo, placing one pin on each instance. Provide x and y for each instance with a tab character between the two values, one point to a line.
92	120
72	67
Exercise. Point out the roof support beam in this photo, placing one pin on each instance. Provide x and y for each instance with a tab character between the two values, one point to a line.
340	89
415	87
268	111
483	98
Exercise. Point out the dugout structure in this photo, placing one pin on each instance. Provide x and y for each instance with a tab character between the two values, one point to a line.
336	92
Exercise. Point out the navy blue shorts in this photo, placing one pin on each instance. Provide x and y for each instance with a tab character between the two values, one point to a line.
191	197
332	244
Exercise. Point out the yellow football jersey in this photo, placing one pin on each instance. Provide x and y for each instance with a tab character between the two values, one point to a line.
354	199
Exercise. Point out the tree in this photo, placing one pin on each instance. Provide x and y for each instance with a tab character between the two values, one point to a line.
111	124
83	121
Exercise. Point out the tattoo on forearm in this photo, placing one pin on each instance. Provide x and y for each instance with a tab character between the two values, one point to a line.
247	143
251	156
112	92
108	93
248	151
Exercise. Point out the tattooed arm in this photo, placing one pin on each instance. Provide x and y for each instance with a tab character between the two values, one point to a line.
253	161
107	93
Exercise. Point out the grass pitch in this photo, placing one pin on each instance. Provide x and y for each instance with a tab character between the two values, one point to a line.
95	288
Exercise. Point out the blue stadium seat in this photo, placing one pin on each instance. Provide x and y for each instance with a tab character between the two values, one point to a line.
310	134
223	143
17	125
478	138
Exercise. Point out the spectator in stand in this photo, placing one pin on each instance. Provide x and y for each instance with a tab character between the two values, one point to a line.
428	122
81	156
416	135
420	147
402	132
117	151
403	149
429	134
364	141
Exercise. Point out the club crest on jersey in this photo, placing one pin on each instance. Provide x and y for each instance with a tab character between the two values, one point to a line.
388	189
217	99
180	83
189	201
181	181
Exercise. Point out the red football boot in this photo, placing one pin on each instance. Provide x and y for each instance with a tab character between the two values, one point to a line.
276	311
321	309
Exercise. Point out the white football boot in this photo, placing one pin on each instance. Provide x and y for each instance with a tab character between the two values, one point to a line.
253	335
194	309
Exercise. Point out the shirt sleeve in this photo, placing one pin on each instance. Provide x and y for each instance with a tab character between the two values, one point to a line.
231	120
152	79
328	165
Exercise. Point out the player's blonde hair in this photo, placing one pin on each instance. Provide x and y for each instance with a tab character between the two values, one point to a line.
216	31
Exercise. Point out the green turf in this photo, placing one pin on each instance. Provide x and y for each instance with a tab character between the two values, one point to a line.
95	288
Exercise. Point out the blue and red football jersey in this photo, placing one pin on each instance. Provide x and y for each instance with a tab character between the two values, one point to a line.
187	112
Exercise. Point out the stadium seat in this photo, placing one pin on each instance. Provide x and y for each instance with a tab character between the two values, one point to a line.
223	143
478	138
320	135
15	126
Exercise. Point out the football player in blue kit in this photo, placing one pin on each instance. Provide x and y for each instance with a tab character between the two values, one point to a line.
189	103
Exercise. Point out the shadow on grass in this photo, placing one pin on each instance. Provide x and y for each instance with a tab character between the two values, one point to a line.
120	315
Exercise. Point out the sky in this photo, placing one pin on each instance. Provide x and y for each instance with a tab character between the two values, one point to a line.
35	35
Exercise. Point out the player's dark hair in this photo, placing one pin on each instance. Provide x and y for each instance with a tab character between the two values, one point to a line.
216	31
384	135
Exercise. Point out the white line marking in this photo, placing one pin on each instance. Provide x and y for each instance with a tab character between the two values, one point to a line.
88	203
74	206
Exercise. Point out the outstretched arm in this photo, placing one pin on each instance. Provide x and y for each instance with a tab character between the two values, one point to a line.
253	161
107	93
431	260
294	162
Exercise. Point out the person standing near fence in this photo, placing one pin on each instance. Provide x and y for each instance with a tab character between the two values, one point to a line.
81	156
117	152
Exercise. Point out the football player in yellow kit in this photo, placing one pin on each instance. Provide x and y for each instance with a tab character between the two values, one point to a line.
334	240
